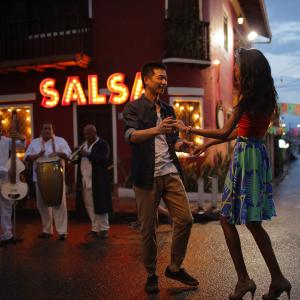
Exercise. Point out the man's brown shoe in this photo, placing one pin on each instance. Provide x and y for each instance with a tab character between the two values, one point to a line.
181	276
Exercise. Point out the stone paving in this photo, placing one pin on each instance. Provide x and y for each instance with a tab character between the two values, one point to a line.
81	268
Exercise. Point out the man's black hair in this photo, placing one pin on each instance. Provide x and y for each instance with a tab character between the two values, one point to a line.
147	69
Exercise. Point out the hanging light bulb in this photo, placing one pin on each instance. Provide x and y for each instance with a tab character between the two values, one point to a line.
240	19
252	36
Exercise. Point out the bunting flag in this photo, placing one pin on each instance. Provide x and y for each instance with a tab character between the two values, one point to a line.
289	108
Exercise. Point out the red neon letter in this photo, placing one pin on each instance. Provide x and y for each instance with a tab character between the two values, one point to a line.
119	90
50	94
94	97
73	92
137	89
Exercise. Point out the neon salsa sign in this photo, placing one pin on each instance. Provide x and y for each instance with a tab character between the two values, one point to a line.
73	92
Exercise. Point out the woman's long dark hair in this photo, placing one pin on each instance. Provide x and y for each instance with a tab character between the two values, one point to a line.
257	92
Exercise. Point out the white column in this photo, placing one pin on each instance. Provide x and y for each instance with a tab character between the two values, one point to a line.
90	9
75	125
200	191
75	134
114	143
214	192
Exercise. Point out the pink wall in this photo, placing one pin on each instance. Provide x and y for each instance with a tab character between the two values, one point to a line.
218	80
131	34
127	34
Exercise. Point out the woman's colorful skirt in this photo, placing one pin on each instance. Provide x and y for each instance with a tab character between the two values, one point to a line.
247	194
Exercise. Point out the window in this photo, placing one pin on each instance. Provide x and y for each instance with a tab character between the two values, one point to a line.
190	111
225	22
24	117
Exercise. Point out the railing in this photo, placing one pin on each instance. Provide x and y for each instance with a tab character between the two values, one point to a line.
188	39
44	37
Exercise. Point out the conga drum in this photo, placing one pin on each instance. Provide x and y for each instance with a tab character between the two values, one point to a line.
50	179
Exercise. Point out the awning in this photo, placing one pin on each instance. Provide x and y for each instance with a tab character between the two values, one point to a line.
256	15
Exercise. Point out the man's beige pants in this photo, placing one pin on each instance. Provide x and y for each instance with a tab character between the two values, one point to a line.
58	213
170	188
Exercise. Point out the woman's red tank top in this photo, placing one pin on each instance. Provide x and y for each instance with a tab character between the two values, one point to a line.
253	126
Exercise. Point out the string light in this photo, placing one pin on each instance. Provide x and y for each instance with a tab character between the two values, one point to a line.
24	120
196	116
190	112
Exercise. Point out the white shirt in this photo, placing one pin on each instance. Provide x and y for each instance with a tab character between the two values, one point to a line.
5	146
163	163
38	144
86	167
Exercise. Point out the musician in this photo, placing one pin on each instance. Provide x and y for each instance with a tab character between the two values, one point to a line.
49	145
93	182
6	236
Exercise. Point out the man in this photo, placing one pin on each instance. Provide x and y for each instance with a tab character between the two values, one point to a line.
155	173
93	181
6	205
49	145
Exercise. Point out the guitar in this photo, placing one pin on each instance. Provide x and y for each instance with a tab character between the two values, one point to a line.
14	188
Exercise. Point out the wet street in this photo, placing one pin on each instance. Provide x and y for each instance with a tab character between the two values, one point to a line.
81	268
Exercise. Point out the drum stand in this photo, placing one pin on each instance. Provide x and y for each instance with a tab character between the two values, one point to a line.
15	239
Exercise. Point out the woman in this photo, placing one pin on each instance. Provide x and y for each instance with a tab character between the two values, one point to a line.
247	197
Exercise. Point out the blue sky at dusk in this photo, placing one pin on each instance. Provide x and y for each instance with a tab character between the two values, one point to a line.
284	51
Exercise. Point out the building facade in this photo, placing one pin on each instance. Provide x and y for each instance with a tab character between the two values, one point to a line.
77	62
